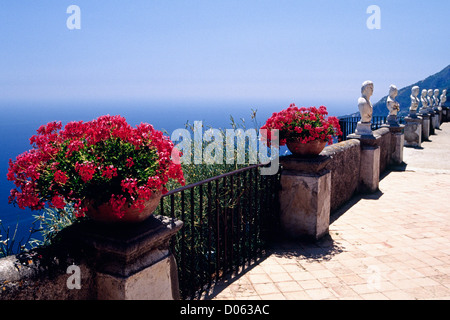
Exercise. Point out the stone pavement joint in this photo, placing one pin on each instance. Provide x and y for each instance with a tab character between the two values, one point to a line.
393	244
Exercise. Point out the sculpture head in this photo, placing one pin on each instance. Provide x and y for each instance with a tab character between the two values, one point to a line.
393	91
424	93
367	89
436	92
415	91
430	92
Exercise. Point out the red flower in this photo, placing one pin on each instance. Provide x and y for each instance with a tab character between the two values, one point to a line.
86	170
61	177
79	209
302	124
74	146
154	183
109	172
58	202
117	203
130	162
129	185
79	162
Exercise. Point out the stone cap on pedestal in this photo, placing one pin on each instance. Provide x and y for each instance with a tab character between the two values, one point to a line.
368	140
413	119
397	128
305	164
123	249
412	114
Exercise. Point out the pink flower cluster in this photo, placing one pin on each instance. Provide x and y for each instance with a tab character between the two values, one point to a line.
74	163
302	124
109	172
86	170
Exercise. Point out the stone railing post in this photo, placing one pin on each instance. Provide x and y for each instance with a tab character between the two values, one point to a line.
397	143
425	126
444	114
131	261
305	196
369	169
413	130
397	140
439	120
432	120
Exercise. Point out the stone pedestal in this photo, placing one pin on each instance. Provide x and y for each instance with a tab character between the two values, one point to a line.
437	122
444	114
425	126
391	120
432	121
413	132
369	170
363	128
413	114
132	261
305	196
397	143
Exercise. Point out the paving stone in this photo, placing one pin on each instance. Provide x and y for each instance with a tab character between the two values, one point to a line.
289	286
320	293
266	288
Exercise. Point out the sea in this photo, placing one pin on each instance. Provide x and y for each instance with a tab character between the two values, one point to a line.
20	120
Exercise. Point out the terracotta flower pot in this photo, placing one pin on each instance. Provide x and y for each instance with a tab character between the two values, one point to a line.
310	148
103	213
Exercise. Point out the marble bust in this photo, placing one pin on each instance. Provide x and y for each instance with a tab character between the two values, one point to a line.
363	127
414	101
430	98
392	105
424	100
436	103
443	97
364	104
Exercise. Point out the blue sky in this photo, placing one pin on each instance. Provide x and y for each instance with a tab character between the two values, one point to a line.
310	52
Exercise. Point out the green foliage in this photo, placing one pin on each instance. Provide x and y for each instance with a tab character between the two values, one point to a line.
197	172
51	222
9	244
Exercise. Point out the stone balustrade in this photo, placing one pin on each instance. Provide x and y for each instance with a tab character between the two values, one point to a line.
135	262
350	167
314	187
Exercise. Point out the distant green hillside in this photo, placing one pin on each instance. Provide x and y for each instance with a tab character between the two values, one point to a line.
440	80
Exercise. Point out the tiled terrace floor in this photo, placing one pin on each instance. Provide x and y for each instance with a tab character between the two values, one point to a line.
394	244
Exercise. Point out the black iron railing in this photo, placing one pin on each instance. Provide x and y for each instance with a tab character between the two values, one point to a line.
227	221
378	121
348	125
